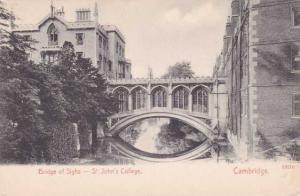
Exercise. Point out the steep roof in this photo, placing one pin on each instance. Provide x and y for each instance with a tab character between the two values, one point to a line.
35	27
104	29
69	25
113	28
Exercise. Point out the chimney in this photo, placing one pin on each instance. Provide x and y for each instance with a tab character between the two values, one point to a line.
52	9
60	12
96	12
228	35
12	20
83	14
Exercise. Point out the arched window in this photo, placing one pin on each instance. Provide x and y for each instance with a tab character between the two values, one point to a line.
159	97
139	97
122	95
52	35
180	98
200	100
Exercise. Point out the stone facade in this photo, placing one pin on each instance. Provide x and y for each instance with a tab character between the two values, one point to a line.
103	44
260	60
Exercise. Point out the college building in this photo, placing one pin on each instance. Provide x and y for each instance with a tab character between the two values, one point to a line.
103	44
261	63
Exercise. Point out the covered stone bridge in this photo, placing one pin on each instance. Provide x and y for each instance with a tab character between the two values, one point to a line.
193	101
191	96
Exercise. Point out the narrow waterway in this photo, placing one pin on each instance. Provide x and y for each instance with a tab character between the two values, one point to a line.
162	136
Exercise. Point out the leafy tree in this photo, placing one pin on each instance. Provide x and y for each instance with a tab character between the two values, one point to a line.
22	131
180	70
62	141
25	132
38	103
85	91
31	101
178	137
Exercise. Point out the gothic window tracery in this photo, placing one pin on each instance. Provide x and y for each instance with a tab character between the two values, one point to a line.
159	97
139	97
200	100
122	95
52	35
180	98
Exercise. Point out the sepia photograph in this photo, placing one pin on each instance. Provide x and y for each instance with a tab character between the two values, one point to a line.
106	87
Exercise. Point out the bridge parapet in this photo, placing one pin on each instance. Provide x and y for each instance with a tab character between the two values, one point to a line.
161	81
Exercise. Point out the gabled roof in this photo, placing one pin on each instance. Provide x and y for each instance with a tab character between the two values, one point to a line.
69	25
104	29
48	17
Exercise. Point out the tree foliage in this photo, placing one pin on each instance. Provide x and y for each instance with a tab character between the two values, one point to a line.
39	103
178	137
84	88
180	70
23	131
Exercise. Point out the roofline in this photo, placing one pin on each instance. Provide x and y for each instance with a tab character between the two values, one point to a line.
120	36
68	28
24	31
100	28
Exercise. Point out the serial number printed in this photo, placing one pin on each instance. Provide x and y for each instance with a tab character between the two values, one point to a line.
288	166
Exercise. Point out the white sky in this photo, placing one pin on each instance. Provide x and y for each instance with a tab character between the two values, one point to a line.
158	33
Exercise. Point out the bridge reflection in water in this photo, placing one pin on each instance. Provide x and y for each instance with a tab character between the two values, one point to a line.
162	136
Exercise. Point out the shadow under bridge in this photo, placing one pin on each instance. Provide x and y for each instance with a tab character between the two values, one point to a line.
113	137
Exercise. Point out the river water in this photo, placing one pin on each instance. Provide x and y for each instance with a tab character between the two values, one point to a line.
162	136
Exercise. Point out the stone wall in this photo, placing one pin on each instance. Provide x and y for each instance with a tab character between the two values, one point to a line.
275	81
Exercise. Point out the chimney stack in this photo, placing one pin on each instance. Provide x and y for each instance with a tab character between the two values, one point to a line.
228	35
96	12
83	14
60	12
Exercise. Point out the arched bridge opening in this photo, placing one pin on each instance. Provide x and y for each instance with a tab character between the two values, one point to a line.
201	130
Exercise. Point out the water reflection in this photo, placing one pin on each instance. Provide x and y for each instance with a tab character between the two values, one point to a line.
162	136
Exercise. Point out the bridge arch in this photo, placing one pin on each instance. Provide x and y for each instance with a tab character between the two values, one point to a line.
195	153
122	146
192	121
